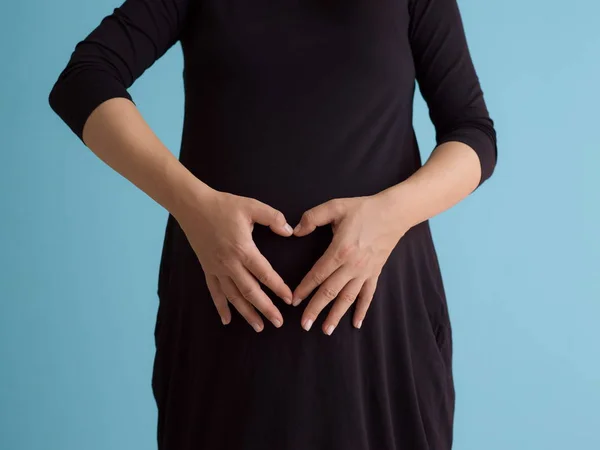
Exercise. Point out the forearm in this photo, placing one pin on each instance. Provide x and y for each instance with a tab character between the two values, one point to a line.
450	174
116	132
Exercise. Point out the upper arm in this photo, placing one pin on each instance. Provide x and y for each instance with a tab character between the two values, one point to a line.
448	81
118	51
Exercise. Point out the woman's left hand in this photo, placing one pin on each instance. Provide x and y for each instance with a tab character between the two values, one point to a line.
366	230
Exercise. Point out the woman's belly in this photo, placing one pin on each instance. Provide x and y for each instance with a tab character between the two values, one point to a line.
295	147
294	155
291	191
291	257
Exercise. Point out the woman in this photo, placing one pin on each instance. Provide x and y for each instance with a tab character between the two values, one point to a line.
296	112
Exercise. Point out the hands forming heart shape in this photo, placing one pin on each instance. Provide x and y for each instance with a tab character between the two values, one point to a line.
365	231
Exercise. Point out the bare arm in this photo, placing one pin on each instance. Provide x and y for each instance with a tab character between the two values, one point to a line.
466	151
450	174
366	229
91	96
117	133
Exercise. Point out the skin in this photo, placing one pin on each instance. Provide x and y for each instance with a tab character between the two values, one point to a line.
366	230
219	225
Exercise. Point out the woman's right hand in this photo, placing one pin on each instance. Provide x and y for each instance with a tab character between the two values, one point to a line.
219	229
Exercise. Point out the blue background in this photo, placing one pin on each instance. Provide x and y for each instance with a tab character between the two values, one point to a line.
80	245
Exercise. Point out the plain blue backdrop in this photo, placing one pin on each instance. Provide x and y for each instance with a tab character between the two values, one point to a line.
80	245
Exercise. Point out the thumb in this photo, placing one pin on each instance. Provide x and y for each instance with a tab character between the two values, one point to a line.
266	215
318	216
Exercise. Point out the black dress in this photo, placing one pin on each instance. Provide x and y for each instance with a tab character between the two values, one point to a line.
295	102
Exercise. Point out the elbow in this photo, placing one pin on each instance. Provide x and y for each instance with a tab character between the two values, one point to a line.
79	90
53	96
480	135
487	147
63	99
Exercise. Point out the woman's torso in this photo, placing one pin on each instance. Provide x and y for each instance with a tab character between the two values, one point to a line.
298	102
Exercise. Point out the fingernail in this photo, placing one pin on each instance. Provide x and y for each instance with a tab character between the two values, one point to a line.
297	301
225	321
256	327
277	322
307	324
288	228
288	300
329	330
358	325
297	227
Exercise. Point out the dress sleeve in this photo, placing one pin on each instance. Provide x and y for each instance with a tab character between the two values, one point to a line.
118	51
448	81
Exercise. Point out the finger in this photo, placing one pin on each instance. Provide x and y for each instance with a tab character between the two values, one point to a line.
252	292
345	299
260	267
318	216
328	263
266	215
240	303
328	292
219	298
365	297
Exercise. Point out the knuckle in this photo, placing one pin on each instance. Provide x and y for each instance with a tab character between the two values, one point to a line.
361	262
344	251
228	264
254	203
278	217
264	278
337	206
308	216
338	257
334	204
234	252
347	298
222	257
249	293
239	249
234	299
317	278
329	293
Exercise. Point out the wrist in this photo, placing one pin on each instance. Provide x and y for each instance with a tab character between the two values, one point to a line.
187	195
399	200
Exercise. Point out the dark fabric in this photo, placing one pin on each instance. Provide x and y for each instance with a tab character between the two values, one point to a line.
294	103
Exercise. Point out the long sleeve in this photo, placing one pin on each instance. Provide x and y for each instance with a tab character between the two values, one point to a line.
448	81
117	52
